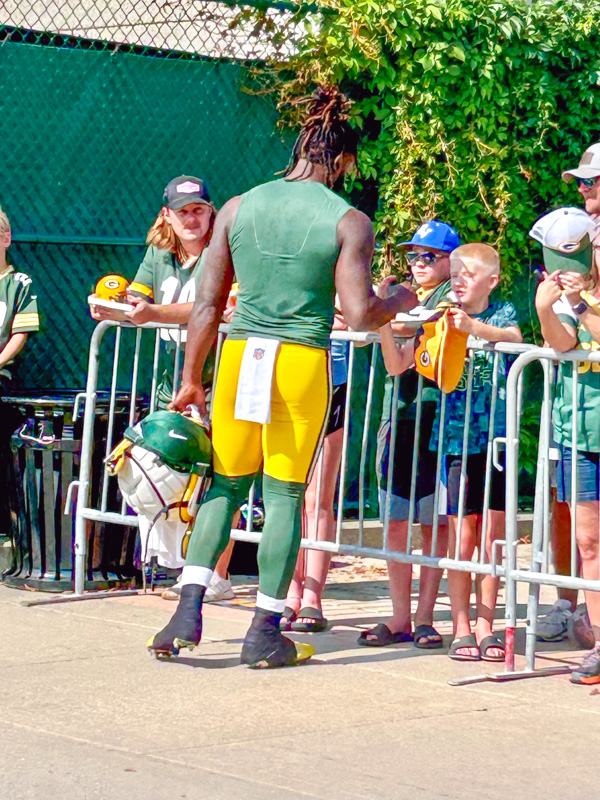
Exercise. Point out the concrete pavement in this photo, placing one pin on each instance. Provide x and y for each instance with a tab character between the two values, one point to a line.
87	714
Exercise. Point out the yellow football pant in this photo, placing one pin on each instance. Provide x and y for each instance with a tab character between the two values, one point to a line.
287	445
299	408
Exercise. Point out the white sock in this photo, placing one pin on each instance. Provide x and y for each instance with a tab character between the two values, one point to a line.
267	603
200	576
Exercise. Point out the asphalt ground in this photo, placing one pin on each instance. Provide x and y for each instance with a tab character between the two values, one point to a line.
87	713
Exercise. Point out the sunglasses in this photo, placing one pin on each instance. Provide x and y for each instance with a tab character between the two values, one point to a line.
427	258
587	182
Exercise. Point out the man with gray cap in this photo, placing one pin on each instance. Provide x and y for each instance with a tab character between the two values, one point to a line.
587	175
563	615
163	290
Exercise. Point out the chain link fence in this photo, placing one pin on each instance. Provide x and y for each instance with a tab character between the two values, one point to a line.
197	28
104	102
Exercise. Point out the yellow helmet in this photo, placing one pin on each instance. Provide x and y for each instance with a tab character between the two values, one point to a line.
112	287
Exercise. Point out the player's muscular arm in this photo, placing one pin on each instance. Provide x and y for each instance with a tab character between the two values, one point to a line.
361	308
12	348
207	311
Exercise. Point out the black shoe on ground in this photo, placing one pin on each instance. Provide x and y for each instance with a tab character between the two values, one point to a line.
266	647
184	630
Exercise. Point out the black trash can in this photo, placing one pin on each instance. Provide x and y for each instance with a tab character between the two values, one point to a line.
45	450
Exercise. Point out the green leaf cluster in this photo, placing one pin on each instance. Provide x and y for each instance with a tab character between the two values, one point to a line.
469	111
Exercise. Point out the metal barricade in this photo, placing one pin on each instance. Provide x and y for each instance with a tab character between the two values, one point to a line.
138	378
540	572
350	536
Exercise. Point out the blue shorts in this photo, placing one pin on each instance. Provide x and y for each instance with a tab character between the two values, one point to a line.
475	485
399	508
588	476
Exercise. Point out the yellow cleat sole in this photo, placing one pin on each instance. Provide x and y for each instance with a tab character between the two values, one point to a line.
303	653
178	644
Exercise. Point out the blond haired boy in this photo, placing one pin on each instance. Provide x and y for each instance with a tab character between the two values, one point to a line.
474	274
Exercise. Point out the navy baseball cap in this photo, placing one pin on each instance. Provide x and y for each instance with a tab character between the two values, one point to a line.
435	234
184	190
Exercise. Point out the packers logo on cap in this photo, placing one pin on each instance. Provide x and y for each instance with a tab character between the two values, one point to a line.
440	354
112	287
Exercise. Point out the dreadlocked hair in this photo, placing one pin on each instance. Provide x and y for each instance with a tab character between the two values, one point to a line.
326	132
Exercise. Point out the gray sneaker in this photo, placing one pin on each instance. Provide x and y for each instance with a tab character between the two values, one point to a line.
554	626
218	589
588	672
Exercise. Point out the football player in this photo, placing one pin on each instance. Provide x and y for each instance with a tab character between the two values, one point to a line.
290	244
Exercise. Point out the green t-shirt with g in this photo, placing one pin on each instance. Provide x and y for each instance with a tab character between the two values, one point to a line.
588	395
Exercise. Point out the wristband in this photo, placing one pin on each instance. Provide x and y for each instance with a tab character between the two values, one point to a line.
580	307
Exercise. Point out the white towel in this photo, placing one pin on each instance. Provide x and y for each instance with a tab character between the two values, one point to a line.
253	399
164	540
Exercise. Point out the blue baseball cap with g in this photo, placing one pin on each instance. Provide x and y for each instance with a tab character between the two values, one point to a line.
435	234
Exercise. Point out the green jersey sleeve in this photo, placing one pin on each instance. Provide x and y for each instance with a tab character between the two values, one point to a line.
26	317
143	285
567	320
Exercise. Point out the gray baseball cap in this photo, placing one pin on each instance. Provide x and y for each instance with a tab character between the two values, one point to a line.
589	166
184	190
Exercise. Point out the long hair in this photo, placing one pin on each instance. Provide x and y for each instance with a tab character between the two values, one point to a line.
4	223
162	235
326	132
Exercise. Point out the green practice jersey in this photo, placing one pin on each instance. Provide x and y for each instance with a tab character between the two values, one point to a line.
18	308
284	246
162	279
588	395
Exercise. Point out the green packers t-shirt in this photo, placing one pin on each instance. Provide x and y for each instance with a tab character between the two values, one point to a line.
18	309
284	246
588	395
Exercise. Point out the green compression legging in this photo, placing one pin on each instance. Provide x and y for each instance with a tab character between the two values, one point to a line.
280	542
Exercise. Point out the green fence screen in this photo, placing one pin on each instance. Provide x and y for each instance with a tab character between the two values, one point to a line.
104	102
90	133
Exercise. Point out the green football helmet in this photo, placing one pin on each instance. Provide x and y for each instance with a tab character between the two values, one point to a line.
181	443
161	465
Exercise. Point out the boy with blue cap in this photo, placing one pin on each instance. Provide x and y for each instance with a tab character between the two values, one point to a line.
428	257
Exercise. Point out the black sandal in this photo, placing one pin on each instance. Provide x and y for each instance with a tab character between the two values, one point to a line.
381	636
462	643
491	643
427	633
309	620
